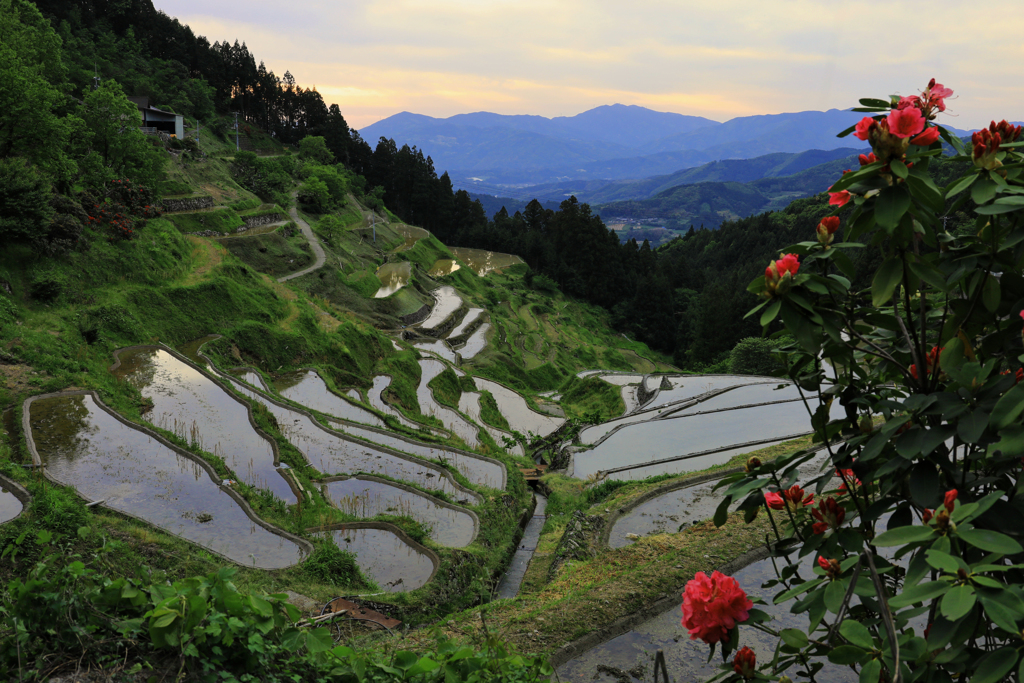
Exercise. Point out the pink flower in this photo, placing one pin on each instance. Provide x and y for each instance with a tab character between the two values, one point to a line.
745	663
712	606
864	126
907	102
904	123
929	136
841	198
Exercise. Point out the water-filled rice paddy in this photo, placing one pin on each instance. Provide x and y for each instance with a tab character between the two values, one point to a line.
476	343
307	388
438	347
369	498
471	317
483	262
393	276
84	446
430	369
443	267
469	403
383	556
10	505
375	399
333	454
687	386
520	416
251	376
196	409
447	301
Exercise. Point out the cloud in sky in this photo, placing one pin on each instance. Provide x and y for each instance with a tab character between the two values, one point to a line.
713	58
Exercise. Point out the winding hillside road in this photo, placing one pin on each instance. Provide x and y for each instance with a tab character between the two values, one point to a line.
318	251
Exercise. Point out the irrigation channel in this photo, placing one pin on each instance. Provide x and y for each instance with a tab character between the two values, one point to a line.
509	585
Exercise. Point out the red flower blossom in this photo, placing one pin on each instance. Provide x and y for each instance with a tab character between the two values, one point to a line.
847	475
779	274
745	663
827	229
712	606
830	567
928	137
796	497
864	128
950	499
905	123
866	159
829	514
841	198
927	515
931	362
774	500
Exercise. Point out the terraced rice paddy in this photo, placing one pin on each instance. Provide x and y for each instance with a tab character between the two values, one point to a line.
514	408
439	347
308	389
430	369
469	403
383	556
476	343
198	410
446	302
443	267
471	317
333	454
393	276
10	505
251	376
84	446
368	498
483	262
375	399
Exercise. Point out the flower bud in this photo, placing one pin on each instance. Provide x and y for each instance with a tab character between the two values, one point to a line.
745	663
753	462
827	229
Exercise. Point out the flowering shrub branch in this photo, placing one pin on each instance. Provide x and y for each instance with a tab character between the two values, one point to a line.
916	520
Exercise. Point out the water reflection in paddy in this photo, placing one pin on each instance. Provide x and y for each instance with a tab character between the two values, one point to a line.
443	267
10	505
476	342
197	410
469	403
384	557
376	399
483	262
630	399
430	369
520	416
365	498
331	454
476	470
411	235
471	317
251	376
658	439
622	380
438	347
307	388
447	301
743	395
84	446
393	276
685	387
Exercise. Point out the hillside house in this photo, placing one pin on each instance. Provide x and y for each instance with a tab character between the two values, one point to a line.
156	120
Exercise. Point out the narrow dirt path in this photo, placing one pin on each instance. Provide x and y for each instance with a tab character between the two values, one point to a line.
307	231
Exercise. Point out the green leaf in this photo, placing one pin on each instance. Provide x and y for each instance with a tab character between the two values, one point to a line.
318	640
770	312
857	633
871	673
983	191
164	620
904	535
920	593
943	561
958	602
1001	615
990	294
994	666
992	541
846	654
961	185
1008	408
884	283
722	511
835	592
794	637
996	209
898	168
890	205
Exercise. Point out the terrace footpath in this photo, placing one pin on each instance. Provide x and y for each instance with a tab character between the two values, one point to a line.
314	244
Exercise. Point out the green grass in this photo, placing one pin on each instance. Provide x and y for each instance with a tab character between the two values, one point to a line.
271	253
592	398
446	388
490	413
218	220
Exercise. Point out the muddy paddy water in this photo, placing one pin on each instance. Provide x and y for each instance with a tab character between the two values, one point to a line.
333	454
410	234
369	498
443	267
393	276
381	555
446	302
199	411
307	388
483	262
84	446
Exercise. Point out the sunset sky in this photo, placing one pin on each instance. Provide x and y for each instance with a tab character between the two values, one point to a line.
713	58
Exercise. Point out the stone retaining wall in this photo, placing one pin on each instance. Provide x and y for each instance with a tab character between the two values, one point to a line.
464	337
262	219
418	316
450	322
578	542
187	204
